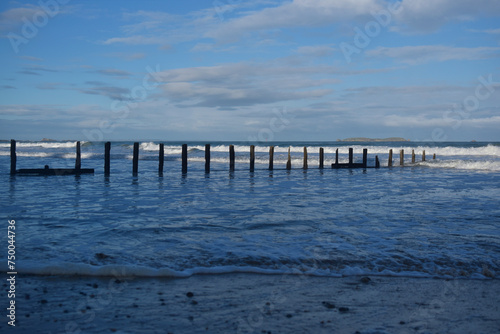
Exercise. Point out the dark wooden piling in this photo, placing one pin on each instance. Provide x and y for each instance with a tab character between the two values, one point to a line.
207	158
231	158
252	158
78	161
161	159
351	163
289	160
107	158
305	158
13	157
321	157
389	163
401	157
54	171
377	162
135	160
271	157
412	156
434	156
423	155
184	158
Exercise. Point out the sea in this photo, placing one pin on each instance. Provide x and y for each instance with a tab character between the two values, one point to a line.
437	218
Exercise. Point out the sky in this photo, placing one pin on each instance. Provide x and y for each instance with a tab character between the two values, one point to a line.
262	70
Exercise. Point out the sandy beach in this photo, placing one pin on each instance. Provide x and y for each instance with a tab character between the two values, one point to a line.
253	303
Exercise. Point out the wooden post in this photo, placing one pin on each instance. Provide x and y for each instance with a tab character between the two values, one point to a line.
78	162
389	163
207	158
412	156
252	158
351	156
161	159
377	162
271	157
13	157
401	157
289	161
423	155
434	156
231	158
107	158
365	157
321	157
184	158
305	158
135	161
337	156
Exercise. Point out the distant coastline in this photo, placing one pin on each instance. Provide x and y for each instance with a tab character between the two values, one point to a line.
363	139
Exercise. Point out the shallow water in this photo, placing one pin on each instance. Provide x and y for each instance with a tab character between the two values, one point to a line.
435	218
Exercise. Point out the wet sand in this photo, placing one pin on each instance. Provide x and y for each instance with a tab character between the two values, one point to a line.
253	303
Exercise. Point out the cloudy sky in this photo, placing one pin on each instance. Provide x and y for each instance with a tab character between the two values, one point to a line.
236	70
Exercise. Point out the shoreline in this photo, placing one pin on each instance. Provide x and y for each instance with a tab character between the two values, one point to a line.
255	303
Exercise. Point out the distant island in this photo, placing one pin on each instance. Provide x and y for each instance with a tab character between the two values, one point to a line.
373	139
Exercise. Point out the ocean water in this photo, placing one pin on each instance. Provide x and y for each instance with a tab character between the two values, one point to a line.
439	218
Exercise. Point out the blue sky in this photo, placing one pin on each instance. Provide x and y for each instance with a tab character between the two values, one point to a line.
246	70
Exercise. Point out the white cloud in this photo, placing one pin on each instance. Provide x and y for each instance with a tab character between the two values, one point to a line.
298	13
244	84
129	56
423	121
316	51
14	18
163	28
413	121
427	16
414	55
215	23
137	40
30	58
148	20
487	31
114	72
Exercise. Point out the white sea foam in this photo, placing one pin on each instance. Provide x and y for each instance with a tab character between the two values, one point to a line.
73	155
127	271
149	146
488	150
133	270
47	155
42	144
29	154
464	164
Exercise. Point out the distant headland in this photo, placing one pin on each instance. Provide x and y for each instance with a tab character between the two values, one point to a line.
363	139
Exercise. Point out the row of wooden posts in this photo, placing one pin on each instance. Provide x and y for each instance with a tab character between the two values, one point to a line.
184	158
